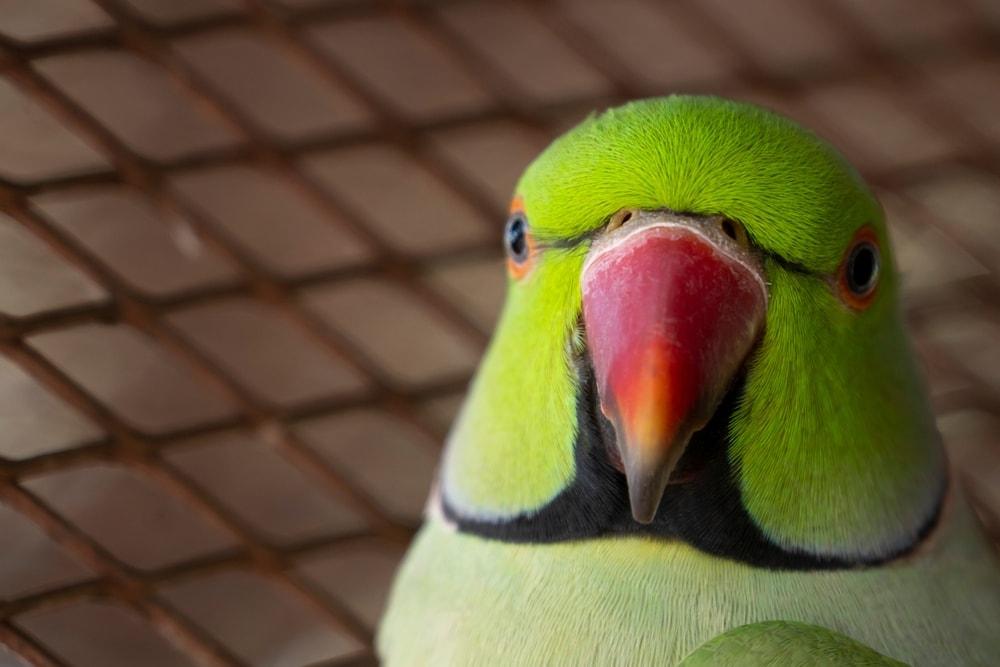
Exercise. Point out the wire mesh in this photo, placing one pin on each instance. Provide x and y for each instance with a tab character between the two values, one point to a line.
251	260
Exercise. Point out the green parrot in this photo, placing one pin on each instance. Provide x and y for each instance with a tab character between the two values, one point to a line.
699	435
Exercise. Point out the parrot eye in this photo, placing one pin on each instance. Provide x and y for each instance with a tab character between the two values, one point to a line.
860	270
519	244
515	238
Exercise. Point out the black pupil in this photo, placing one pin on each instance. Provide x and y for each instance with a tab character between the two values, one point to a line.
861	268
516	238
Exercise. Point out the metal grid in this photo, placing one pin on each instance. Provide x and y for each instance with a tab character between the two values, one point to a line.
442	100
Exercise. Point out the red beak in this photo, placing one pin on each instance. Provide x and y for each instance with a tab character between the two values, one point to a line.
672	306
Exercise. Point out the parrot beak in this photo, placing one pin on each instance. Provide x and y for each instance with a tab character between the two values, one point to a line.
672	306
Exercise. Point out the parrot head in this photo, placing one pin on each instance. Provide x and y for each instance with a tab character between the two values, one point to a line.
701	341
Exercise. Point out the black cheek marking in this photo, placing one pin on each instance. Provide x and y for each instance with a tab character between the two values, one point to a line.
706	510
585	508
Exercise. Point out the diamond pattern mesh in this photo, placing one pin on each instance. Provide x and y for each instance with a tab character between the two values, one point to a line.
249	258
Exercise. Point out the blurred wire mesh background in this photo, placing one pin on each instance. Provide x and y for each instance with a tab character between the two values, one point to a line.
249	257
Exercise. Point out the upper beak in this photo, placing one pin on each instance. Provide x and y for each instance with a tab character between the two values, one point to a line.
672	305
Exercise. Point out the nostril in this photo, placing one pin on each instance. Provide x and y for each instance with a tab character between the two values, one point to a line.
619	219
729	229
734	230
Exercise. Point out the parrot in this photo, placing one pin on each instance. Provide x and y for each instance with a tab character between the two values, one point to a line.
699	434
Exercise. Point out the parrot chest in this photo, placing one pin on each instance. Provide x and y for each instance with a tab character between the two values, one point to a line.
461	599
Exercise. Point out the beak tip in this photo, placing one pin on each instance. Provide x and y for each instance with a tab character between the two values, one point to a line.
643	516
645	498
648	475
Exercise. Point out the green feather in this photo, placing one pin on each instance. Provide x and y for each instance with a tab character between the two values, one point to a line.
786	644
835	397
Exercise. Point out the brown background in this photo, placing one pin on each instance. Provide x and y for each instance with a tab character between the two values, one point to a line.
249	256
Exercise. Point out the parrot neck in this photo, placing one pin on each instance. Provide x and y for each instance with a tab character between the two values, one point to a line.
704	510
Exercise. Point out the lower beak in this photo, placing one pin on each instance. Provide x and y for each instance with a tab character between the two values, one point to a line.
672	305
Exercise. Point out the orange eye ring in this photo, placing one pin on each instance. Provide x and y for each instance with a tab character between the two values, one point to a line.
859	271
519	241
